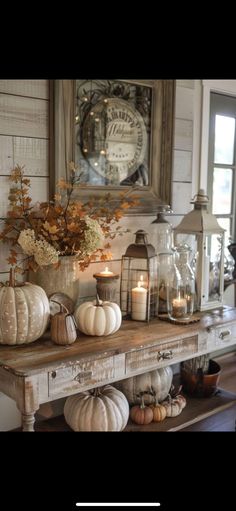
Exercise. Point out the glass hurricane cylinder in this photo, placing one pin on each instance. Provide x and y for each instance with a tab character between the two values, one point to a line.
181	286
63	279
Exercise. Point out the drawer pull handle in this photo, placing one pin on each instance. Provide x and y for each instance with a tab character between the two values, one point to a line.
83	376
224	334
162	355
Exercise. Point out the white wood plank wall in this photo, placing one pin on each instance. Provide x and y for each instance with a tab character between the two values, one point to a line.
24	139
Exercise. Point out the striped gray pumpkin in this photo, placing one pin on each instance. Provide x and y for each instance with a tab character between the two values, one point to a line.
159	380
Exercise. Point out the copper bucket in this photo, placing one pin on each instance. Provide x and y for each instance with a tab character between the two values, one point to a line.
200	384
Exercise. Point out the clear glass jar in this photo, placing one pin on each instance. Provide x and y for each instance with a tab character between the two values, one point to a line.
229	262
166	261
181	285
164	230
164	243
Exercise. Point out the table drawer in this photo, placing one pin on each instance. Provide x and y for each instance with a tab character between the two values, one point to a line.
79	376
150	357
225	335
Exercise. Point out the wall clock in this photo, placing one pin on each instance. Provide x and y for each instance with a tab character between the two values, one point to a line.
119	133
114	139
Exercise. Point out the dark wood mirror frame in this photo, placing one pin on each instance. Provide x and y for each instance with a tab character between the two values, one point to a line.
62	147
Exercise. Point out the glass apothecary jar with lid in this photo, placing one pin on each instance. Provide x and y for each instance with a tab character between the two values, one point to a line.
164	244
163	229
181	285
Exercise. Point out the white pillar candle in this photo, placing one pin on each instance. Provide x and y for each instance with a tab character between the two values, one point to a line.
139	303
106	272
179	307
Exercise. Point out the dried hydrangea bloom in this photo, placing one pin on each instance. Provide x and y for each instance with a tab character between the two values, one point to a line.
27	241
44	253
93	237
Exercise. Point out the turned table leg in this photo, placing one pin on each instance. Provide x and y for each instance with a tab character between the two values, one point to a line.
28	421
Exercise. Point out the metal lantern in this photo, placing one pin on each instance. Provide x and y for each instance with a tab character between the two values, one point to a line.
206	238
139	286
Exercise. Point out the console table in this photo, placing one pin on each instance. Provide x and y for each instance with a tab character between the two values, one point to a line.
43	371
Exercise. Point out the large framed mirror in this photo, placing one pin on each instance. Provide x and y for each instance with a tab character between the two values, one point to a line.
119	133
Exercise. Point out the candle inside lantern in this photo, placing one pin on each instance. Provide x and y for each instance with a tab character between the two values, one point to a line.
139	301
179	306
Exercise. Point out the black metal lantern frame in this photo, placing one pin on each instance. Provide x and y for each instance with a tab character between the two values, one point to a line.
139	280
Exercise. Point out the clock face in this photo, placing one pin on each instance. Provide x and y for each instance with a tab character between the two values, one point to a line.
114	139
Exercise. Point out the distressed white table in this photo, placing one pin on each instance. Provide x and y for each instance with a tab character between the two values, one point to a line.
43	371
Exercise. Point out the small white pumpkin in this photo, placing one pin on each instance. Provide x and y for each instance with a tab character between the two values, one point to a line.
102	409
158	381
24	312
98	318
173	407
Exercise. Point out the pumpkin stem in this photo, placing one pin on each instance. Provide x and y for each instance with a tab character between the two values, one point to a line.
62	306
98	304
96	392
154	394
142	402
12	278
141	395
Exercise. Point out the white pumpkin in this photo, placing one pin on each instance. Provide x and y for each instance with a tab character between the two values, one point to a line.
159	380
98	318
102	409
173	407
24	313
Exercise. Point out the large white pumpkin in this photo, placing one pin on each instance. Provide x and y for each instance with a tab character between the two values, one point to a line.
102	409
98	318
159	380
24	313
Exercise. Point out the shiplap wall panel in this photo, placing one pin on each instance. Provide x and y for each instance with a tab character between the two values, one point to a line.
182	194
6	154
184	103
183	138
4	252
4	190
182	167
185	83
39	191
4	277
30	88
33	154
26	117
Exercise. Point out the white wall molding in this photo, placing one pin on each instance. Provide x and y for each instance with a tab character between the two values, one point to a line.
197	121
208	86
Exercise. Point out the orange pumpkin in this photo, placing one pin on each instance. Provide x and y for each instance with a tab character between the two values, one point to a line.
141	414
159	411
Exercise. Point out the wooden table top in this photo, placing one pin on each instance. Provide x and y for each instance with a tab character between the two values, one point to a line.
132	335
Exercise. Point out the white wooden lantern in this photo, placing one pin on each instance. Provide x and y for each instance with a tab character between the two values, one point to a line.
201	230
